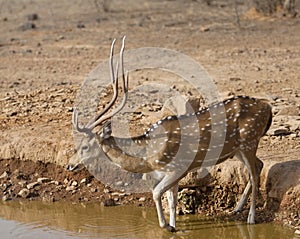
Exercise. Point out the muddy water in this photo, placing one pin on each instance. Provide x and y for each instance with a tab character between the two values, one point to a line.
64	220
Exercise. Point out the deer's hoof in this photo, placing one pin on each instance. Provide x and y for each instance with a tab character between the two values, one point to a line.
170	228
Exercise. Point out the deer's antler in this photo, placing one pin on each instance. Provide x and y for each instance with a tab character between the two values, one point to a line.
101	117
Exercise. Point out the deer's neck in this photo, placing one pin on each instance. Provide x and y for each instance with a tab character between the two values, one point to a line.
117	150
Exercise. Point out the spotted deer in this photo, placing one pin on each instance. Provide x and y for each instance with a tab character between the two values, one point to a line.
245	121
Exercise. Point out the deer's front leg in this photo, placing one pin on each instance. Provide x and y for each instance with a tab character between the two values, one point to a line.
160	213
172	195
158	191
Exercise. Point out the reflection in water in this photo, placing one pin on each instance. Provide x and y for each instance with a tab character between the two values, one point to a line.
65	220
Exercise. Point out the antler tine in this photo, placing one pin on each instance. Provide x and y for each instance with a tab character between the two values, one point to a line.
76	125
114	83
122	60
120	107
111	61
125	90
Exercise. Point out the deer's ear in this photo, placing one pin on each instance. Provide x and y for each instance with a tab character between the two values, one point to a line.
106	131
107	128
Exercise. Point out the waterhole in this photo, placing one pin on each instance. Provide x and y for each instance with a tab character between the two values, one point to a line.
65	220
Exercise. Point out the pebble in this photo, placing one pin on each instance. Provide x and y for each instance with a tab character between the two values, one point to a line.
70	188
142	199
61	37
28	26
93	190
74	183
109	203
54	182
83	181
22	183
187	191
24	193
80	25
297	232
5	186
119	183
33	17
279	131
43	180
32	185
204	29
4	175
6	198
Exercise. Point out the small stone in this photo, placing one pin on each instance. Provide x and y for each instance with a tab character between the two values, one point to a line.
257	68
204	29
70	188
5	186
293	136
74	183
28	26
187	191
44	105
66	181
33	17
6	198
93	190
61	37
109	202
6	98
142	199
22	183
119	183
279	131
24	193
32	185
43	180
4	175
80	25
297	232
54	182
83	181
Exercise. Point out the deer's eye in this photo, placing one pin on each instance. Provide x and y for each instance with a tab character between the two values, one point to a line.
85	147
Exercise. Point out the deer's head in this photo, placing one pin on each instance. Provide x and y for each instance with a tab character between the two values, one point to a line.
88	148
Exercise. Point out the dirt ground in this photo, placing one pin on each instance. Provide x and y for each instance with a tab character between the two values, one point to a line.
47	48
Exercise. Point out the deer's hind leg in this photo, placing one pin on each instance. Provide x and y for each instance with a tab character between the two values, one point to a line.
254	166
172	195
